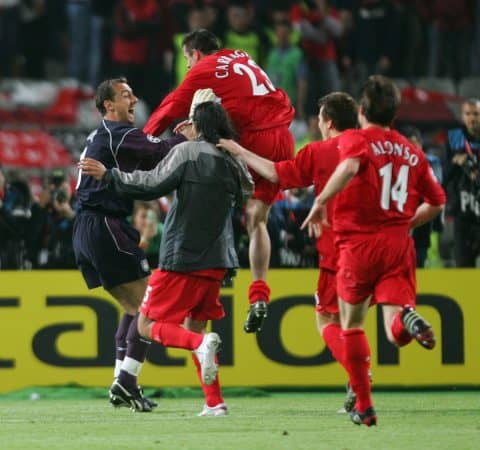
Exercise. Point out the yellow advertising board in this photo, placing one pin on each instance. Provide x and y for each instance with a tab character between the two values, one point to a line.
53	331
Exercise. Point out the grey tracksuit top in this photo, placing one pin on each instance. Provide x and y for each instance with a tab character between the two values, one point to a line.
198	230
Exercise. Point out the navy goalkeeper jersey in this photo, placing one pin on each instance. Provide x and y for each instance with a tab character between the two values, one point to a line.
122	146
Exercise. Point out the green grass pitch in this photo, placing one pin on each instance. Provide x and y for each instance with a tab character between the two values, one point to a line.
407	420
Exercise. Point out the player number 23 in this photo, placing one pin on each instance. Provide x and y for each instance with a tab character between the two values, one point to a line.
261	84
399	191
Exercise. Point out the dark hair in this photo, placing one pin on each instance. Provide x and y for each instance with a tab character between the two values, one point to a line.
340	108
410	131
202	40
105	91
380	99
212	122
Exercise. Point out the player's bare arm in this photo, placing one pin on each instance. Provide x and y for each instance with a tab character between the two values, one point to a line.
344	172
424	213
92	167
262	166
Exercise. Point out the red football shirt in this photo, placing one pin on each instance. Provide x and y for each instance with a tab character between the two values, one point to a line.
394	176
244	89
313	165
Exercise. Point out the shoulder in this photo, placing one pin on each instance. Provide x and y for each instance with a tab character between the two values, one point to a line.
352	137
117	128
456	138
191	150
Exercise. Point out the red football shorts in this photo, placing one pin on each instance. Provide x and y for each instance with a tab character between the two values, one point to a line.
382	265
172	296
326	300
275	144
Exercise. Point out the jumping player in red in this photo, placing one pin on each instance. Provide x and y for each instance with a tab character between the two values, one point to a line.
313	165
261	115
381	180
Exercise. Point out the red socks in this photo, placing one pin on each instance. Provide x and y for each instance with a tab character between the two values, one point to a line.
257	291
332	335
401	335
357	362
172	335
212	392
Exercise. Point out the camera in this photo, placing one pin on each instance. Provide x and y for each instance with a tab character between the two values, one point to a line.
59	195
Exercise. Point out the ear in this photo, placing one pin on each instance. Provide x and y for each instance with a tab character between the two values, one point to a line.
108	105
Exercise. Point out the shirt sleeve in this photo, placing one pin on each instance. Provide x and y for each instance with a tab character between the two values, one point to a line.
152	184
429	189
352	144
298	172
174	106
149	150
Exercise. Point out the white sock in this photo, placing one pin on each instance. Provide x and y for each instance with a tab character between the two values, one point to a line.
118	366
131	366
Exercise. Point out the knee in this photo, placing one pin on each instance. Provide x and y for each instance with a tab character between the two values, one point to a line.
256	216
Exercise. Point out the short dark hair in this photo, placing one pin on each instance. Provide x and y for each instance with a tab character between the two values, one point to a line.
340	108
410	131
105	91
202	40
212	122
380	99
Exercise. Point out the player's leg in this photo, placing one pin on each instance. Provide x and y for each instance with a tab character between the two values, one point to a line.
121	270
121	341
136	347
327	314
259	256
357	359
214	403
396	292
404	324
276	144
170	297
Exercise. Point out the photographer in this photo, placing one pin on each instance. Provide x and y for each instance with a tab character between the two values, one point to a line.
15	213
462	184
50	240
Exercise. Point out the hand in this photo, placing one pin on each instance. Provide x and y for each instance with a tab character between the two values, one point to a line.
179	127
317	217
92	167
201	96
187	129
64	209
459	159
314	230
230	146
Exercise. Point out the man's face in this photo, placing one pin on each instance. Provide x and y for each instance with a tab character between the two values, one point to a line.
192	57
471	117
140	218
122	107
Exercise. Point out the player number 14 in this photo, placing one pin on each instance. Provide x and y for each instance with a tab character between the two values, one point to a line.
399	191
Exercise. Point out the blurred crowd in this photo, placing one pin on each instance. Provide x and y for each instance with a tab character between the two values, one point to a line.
36	230
308	48
323	44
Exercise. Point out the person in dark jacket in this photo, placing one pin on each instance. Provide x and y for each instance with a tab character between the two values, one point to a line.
462	183
105	244
197	244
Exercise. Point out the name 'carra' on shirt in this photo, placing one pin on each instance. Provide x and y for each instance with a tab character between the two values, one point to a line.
224	60
396	149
